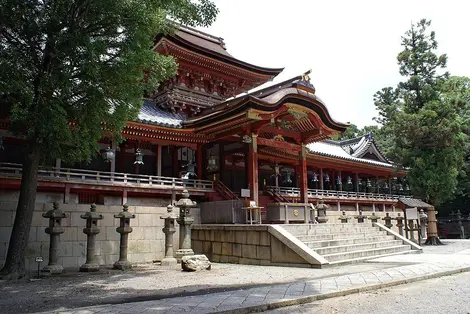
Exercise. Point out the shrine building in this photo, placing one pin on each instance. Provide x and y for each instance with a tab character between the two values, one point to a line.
206	132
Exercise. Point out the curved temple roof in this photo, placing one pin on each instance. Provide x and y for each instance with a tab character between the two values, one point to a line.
296	95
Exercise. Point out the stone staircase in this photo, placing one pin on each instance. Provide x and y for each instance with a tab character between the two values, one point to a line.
348	242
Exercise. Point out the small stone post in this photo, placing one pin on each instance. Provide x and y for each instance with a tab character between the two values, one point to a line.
54	230
423	220
321	210
388	221
91	231
399	224
373	218
124	229
360	218
461	228
412	230
343	218
168	230
185	221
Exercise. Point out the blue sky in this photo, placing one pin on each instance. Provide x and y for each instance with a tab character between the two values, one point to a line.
351	46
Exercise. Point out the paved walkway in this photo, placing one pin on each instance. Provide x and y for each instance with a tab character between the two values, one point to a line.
434	262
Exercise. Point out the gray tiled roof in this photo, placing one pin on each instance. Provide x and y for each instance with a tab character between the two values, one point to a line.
152	114
414	202
331	148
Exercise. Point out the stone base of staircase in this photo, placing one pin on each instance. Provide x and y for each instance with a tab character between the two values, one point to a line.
350	242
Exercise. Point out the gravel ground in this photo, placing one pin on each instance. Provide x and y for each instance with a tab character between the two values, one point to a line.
440	295
150	282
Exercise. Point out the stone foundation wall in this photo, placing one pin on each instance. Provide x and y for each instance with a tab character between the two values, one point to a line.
247	244
146	242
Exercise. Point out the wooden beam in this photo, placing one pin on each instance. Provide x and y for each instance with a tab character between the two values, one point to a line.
279	144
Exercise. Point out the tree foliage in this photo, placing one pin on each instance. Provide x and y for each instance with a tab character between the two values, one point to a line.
424	124
75	70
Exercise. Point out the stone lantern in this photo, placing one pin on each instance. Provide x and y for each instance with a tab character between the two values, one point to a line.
373	218
185	221
321	210
423	220
55	228
343	218
91	231
388	221
360	218
399	224
169	230
124	229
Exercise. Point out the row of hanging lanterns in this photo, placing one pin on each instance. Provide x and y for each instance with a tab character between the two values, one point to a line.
109	155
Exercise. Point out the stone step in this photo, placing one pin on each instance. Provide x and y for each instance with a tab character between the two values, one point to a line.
358	247
337	236
346	256
325	228
359	259
347	241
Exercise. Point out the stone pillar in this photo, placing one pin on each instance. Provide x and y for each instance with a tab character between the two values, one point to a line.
459	221
253	167
55	228
124	229
432	239
303	175
185	221
169	230
91	231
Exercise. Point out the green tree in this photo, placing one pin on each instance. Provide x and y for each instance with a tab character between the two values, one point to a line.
74	70
426	128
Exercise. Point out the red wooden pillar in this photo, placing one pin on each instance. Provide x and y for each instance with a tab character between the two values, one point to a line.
303	175
199	163
253	168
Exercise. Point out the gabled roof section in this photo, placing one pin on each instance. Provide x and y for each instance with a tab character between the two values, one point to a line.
211	46
414	202
363	147
330	148
296	95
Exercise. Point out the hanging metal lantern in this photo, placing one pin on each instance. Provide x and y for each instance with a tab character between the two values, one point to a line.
212	163
368	183
407	187
190	171
349	180
277	170
139	157
338	180
400	187
385	185
315	177
1	143
287	179
108	155
327	178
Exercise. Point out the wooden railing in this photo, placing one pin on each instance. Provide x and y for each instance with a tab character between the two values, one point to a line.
315	193
276	194
115	178
224	191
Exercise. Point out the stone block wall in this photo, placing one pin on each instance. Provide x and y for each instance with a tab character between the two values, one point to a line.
146	242
247	244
